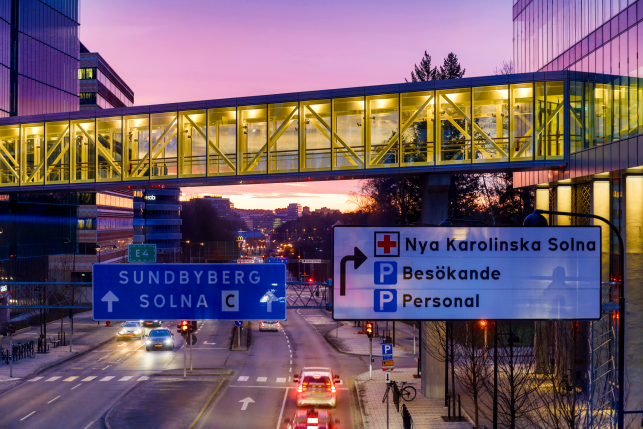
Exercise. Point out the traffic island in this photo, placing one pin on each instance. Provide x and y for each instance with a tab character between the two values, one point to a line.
241	342
153	403
426	413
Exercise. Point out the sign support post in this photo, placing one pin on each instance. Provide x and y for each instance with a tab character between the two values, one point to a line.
10	353
191	342
185	359
370	364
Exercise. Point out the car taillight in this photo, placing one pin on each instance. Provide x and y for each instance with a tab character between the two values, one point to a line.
313	420
299	388
262	324
278	325
330	388
302	387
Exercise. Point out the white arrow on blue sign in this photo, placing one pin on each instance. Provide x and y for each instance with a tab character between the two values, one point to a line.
238	323
189	292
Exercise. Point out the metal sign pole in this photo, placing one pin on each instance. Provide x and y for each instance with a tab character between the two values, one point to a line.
191	342
370	363
10	353
239	336
185	360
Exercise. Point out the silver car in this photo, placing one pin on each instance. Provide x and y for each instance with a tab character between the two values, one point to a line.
159	339
271	325
130	330
316	386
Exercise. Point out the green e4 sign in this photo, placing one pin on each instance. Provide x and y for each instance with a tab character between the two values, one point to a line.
142	253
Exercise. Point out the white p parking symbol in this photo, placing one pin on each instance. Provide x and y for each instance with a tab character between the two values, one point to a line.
385	297
386	268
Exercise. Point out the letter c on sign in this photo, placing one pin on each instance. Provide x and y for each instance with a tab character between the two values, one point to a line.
229	300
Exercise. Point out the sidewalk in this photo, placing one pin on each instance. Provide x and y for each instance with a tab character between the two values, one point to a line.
87	334
347	340
426	413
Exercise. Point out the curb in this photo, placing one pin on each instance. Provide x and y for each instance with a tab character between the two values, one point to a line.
207	404
359	403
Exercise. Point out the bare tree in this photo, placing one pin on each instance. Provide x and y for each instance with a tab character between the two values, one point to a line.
507	67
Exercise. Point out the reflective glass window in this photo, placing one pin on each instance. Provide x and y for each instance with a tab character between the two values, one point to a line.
253	139
314	135
283	138
490	124
522	122
192	143
348	133
620	127
603	113
164	147
109	147
57	152
222	141
83	150
576	123
136	155
382	130
417	130
554	120
9	150
32	154
453	126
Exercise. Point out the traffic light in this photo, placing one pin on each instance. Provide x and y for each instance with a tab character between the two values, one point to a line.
12	329
184	327
369	329
483	323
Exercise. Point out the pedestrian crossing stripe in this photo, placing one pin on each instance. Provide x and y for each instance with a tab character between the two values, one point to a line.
36	379
126	378
89	378
70	378
53	378
109	377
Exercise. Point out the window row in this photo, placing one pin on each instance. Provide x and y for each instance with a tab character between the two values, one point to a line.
488	124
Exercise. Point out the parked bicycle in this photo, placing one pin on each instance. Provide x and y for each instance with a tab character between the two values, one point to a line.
408	392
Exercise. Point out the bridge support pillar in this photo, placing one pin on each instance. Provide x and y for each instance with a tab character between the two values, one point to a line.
434	189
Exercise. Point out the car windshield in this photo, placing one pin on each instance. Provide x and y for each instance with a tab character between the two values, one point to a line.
270	321
130	325
161	333
319	381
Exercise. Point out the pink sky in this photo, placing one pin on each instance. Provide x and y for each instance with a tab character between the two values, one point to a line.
173	51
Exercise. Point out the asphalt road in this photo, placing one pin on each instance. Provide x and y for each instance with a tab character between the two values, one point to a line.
78	393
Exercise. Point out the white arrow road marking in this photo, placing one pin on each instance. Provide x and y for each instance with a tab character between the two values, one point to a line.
271	299
205	342
110	298
246	401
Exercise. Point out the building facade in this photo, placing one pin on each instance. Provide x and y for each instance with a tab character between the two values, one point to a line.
162	216
39	56
100	86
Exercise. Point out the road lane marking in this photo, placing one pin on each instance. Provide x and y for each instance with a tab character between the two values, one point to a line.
105	368
281	379
36	379
53	378
243	378
126	378
109	377
143	378
53	399
283	405
28	415
291	361
71	378
76	386
262	379
90	378
290	370
121	345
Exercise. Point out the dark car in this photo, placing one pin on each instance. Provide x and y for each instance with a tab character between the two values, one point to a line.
159	339
309	418
151	323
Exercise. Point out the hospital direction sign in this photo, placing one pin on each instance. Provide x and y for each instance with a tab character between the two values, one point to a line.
453	273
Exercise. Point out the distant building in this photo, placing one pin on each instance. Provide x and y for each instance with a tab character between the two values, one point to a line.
294	211
162	214
222	205
39	46
326	210
100	86
305	210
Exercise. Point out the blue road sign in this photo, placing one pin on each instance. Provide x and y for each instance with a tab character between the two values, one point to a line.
189	292
387	357
238	323
276	260
387	349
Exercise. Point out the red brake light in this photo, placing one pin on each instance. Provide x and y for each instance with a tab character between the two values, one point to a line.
299	388
278	325
262	324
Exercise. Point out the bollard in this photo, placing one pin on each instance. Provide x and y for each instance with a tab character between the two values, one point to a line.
459	409
449	406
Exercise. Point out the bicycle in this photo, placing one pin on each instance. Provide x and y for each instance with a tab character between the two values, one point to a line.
408	392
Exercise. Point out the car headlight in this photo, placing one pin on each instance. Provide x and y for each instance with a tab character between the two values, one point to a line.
148	342
168	341
121	332
137	332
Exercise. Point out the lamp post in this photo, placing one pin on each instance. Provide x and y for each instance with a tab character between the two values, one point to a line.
99	250
537	219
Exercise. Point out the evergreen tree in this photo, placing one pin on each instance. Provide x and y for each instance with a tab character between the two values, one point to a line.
451	68
424	71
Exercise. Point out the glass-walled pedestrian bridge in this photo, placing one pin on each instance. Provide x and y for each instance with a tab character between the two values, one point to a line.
494	123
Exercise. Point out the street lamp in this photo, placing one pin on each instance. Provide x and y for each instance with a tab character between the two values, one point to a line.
99	249
537	219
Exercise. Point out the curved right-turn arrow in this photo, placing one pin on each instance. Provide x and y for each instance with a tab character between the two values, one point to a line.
358	258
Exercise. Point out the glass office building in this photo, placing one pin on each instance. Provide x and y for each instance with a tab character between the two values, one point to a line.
100	86
38	56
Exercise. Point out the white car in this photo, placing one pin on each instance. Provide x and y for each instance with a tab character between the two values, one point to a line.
130	330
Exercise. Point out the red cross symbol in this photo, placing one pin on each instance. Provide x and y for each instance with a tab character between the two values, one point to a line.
387	244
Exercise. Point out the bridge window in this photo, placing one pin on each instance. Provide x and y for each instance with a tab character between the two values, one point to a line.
222	141
283	141
550	120
10	145
348	133
253	139
418	120
83	150
315	135
32	154
522	122
136	134
57	152
109	148
164	147
491	124
453	126
382	130
192	143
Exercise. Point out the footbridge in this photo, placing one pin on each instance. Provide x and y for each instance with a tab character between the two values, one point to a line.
500	123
